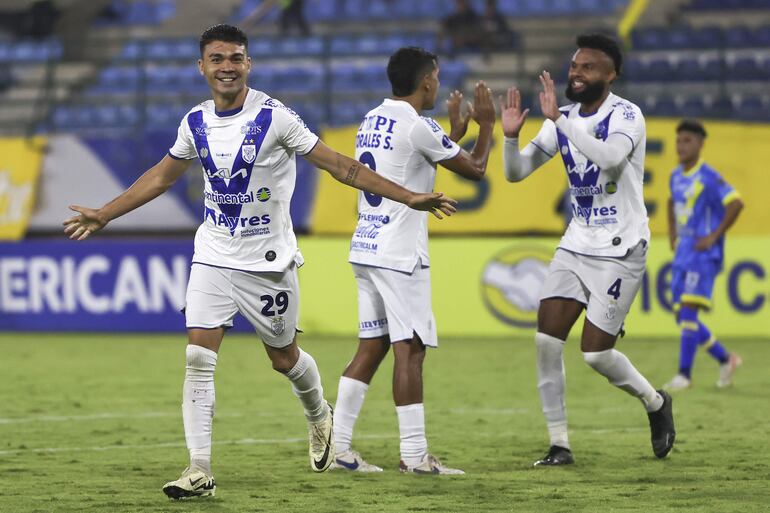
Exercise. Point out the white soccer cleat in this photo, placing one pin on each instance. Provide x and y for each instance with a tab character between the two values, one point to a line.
352	461
193	483
677	383
429	465
727	370
321	446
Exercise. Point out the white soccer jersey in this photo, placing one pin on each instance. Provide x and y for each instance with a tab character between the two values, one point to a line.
608	212
399	144
249	170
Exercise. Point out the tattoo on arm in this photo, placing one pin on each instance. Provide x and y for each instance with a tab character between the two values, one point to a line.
350	179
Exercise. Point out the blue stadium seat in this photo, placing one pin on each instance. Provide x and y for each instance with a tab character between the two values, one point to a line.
664	106
713	69
752	108
738	37
660	70
693	107
722	107
707	37
689	70
649	39
344	77
745	68
762	37
633	70
679	38
299	46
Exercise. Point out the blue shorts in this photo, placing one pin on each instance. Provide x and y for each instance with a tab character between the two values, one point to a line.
693	284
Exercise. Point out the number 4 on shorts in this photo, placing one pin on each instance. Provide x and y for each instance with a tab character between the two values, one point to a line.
614	289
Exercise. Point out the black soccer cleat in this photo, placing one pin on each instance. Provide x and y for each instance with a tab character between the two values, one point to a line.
556	456
662	427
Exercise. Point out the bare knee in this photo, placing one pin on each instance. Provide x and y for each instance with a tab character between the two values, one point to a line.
283	359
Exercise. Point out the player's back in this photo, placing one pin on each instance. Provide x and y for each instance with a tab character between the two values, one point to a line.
396	142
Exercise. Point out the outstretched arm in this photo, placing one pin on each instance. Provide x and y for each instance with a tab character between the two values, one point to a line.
518	164
355	174
154	182
605	154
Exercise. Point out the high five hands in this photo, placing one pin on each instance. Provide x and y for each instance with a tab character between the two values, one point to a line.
482	110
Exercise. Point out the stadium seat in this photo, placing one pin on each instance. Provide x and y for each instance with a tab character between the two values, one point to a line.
713	69
752	108
722	107
693	107
660	70
762	37
664	106
707	37
689	70
738	37
648	39
745	68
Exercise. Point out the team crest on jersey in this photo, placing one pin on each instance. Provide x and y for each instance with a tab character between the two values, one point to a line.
278	325
204	153
249	153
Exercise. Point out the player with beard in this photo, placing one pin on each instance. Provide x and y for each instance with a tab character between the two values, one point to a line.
600	261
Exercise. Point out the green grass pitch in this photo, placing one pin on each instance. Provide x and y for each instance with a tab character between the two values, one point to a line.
92	423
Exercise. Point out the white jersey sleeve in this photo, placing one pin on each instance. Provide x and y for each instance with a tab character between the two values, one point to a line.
293	133
430	140
545	140
627	119
184	146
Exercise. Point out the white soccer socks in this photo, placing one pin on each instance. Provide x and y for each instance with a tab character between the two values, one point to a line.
411	425
551	383
306	384
350	399
619	371
198	405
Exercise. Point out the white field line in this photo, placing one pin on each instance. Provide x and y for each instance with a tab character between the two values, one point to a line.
242	441
104	416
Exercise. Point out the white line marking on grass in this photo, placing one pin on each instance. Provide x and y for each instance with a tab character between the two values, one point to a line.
102	416
243	441
612	430
489	411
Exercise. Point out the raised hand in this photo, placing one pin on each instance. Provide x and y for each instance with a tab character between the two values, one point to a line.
84	224
483	111
511	115
433	202
458	122
548	104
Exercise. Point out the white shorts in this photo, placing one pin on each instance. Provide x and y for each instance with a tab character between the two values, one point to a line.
268	300
607	286
395	303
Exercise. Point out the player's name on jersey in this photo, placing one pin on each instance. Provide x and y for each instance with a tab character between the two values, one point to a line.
370	133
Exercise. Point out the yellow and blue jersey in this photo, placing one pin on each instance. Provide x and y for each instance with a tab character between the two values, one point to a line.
700	196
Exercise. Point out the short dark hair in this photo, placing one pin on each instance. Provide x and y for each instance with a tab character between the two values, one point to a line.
407	66
223	32
604	44
691	125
